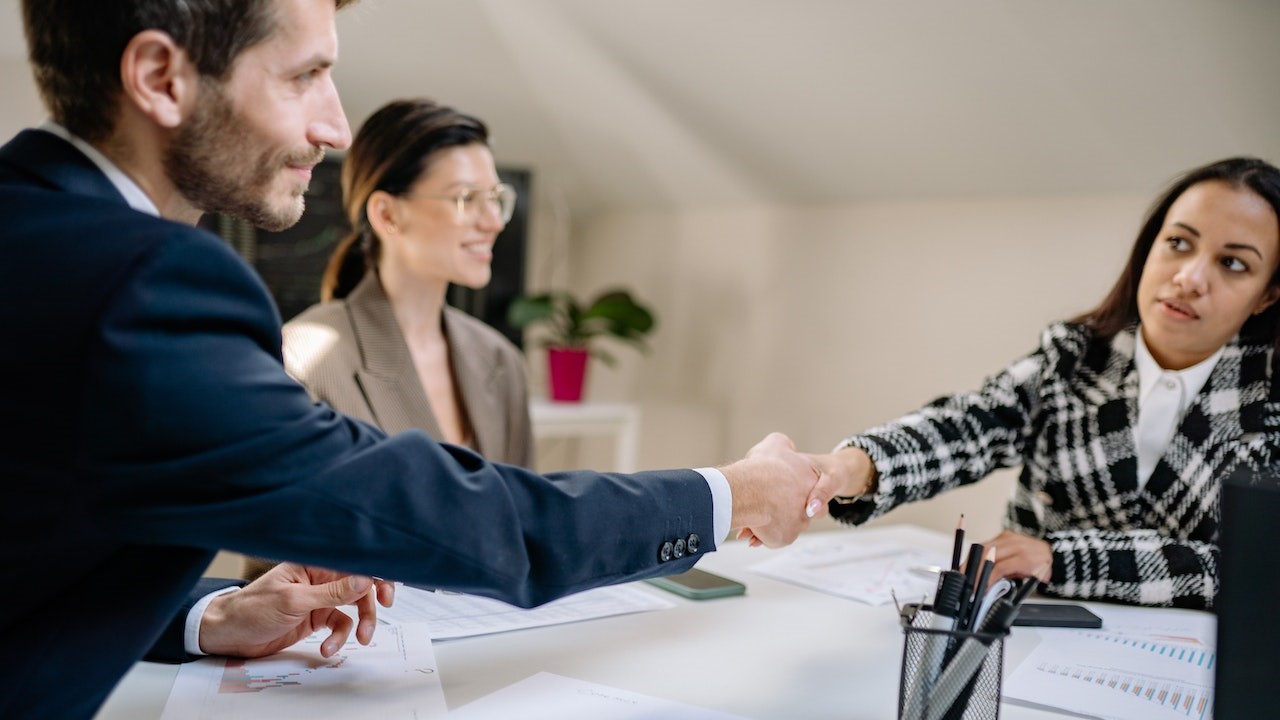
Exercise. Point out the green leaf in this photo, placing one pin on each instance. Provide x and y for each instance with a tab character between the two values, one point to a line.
568	324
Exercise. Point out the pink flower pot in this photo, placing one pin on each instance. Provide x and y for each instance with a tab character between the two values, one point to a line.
567	368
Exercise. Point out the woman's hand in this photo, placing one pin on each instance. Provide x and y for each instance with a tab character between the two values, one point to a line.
1020	556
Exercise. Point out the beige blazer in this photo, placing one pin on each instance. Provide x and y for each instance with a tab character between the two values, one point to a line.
350	354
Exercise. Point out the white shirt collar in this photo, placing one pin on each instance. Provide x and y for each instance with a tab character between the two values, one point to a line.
1192	378
132	193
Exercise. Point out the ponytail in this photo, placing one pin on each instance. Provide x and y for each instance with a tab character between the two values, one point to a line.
346	267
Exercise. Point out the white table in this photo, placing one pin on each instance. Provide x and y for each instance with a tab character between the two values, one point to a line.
780	652
621	421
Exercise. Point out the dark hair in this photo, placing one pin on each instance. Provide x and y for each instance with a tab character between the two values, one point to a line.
1119	309
75	47
390	152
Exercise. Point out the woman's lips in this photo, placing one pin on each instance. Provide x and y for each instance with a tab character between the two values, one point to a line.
1179	309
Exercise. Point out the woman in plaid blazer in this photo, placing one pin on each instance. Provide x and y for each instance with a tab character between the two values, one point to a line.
1118	494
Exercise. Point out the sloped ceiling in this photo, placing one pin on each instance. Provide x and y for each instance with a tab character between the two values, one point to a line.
695	103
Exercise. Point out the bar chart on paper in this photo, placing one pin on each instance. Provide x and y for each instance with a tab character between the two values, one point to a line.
394	676
1118	676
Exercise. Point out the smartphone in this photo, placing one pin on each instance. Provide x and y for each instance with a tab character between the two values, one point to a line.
1056	615
699	585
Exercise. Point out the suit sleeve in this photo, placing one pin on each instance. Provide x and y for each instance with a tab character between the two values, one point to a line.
170	647
196	436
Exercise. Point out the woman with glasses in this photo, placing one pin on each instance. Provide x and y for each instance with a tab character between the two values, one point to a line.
421	190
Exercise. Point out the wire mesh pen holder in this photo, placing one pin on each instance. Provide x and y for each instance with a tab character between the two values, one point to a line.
948	674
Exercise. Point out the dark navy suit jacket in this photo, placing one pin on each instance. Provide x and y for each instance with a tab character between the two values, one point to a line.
151	423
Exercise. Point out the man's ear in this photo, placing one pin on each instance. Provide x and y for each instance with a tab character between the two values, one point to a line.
158	78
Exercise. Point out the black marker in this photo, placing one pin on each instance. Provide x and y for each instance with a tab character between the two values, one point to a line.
971	569
980	589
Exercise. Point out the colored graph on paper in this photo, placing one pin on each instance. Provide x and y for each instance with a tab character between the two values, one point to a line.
1117	676
393	677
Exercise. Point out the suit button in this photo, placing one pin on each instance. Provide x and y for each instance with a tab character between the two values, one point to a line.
664	553
692	543
679	549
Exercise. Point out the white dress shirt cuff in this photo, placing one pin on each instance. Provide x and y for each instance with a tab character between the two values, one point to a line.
191	633
721	501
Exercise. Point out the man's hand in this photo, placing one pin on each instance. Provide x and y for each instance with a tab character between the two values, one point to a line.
771	491
287	604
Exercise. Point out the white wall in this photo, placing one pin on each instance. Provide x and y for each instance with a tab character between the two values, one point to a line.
823	321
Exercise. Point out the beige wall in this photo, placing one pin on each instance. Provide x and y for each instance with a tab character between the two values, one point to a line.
21	107
815	321
823	321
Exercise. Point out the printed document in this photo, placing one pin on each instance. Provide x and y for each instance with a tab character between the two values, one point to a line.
857	566
1144	664
393	677
451	615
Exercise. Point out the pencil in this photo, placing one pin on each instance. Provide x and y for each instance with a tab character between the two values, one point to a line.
955	549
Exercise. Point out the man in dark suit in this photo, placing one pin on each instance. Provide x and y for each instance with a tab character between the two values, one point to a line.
152	422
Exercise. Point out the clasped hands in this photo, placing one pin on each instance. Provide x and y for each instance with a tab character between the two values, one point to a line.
778	490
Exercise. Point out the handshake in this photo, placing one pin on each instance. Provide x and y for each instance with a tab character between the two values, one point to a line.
778	490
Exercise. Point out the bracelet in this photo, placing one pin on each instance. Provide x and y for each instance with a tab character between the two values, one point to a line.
846	499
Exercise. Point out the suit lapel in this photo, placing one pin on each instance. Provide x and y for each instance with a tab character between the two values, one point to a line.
476	373
388	379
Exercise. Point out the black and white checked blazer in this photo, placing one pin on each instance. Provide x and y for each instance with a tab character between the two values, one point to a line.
1065	413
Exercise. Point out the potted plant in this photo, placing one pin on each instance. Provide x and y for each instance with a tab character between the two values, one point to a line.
572	330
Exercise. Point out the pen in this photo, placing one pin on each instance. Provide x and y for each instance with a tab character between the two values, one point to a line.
961	672
980	589
971	569
937	646
1028	586
955	549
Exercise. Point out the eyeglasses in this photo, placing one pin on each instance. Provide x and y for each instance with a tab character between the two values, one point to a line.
468	204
